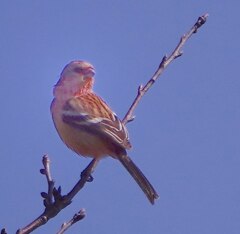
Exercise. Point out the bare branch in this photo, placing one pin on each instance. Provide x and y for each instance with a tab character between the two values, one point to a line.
53	201
77	217
177	52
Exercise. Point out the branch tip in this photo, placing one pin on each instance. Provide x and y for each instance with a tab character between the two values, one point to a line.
201	20
45	159
77	217
80	215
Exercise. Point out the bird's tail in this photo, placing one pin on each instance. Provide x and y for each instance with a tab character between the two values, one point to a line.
139	177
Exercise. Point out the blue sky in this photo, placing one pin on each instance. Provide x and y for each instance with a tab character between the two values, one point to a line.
186	134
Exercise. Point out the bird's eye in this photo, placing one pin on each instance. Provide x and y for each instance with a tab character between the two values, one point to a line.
88	71
78	70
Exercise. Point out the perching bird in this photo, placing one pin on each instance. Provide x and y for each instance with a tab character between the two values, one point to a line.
88	126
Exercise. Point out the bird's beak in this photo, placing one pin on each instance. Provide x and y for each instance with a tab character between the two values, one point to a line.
90	72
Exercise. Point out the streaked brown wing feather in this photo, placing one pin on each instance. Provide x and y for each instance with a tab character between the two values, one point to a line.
93	114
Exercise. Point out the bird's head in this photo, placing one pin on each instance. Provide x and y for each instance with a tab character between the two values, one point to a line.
79	69
76	77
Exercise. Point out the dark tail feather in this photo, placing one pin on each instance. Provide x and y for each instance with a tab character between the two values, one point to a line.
139	177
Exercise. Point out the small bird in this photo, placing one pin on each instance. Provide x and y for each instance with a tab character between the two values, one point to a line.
88	126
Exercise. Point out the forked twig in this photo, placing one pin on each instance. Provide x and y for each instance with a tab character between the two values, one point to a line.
53	201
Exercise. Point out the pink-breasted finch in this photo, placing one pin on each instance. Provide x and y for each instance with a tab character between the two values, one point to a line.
88	126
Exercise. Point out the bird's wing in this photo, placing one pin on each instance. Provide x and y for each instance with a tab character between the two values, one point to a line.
92	114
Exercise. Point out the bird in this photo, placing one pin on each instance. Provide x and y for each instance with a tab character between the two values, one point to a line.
88	126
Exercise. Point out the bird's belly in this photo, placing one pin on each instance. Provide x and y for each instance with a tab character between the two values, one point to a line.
83	142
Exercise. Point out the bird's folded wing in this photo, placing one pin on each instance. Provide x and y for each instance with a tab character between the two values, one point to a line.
91	114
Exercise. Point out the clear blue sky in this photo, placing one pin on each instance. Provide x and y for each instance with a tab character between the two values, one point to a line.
185	136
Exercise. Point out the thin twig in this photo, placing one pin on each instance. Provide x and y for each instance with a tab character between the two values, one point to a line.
164	63
77	217
57	202
48	198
